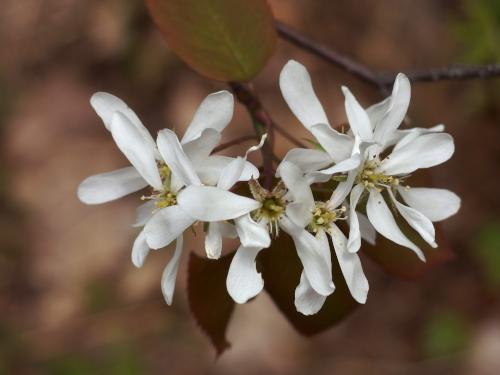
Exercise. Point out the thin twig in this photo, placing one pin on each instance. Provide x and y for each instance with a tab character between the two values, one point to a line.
383	80
288	136
234	142
262	122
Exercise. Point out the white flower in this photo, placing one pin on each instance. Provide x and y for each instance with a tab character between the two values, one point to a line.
319	218
279	209
170	168
377	129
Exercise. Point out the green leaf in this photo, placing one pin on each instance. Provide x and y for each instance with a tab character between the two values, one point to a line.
227	40
209	301
281	269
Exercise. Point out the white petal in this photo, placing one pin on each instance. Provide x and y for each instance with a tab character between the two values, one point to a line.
417	221
214	112
425	151
139	152
299	190
368	232
200	148
382	220
243	281
166	225
396	112
297	90
170	273
342	190
171	151
337	145
143	213
307	160
354	243
436	204
350	265
251	233
377	111
209	170
208	203
307	301
231	173
310	254
106	105
109	186
400	134
213	241
344	166
140	250
357	117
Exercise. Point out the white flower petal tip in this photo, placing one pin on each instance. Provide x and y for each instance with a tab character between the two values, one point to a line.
214	112
297	90
307	301
209	203
140	250
243	281
435	204
105	105
169	275
106	187
358	118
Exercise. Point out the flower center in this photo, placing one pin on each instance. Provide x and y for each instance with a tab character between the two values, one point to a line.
371	178
166	197
273	204
323	217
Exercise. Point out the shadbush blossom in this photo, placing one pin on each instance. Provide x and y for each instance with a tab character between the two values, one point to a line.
365	169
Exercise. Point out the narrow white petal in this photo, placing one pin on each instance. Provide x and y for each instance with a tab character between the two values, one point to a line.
400	134
231	173
354	243
200	148
377	111
310	254
140	250
251	233
417	221
337	145
171	151
357	117
140	153
166	225
342	190
213	241
214	112
396	112
344	166
425	151
307	160
143	213
106	105
243	281
210	169
307	301
169	275
368	232
436	204
209	203
109	186
298	92
351	266
382	220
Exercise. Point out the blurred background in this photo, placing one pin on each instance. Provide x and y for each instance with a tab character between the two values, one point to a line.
70	300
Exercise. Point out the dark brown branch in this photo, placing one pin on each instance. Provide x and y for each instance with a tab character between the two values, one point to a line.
377	79
262	122
234	142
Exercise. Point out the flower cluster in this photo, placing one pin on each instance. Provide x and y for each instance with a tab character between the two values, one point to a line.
365	170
